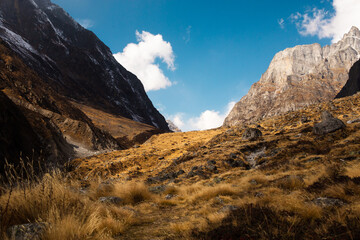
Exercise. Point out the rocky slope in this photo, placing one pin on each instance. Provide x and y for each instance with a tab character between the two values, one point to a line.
62	129
73	60
352	86
298	77
290	182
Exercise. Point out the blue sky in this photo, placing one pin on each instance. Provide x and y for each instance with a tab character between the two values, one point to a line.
220	48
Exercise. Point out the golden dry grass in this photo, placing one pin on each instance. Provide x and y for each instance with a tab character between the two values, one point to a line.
276	199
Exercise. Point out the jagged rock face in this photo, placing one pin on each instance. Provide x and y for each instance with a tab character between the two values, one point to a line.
298	77
74	61
64	131
352	86
172	126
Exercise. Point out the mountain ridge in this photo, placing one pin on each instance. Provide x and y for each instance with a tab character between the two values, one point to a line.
73	60
297	77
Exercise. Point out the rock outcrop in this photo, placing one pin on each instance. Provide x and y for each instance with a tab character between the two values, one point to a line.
73	61
352	86
172	126
298	77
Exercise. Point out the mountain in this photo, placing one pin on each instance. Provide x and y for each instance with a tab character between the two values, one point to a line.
352	86
63	130
298	77
73	61
173	127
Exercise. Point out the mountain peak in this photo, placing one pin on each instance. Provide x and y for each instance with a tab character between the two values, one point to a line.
354	32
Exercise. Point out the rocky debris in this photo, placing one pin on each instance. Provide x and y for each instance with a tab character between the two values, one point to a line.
110	200
328	202
328	124
210	166
197	171
228	208
236	163
27	231
253	156
163	176
251	134
297	77
157	189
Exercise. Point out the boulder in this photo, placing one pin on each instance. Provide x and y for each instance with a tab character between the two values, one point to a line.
251	134
328	124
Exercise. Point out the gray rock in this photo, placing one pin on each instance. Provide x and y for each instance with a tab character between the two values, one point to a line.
110	200
328	124
251	134
328	202
30	231
157	189
170	196
296	77
228	208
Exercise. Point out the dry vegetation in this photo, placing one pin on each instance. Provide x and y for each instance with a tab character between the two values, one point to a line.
290	184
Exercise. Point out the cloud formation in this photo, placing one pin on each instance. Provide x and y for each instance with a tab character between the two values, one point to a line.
324	24
85	23
281	23
206	120
140	59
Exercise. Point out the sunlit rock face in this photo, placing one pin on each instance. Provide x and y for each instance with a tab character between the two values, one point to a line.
297	77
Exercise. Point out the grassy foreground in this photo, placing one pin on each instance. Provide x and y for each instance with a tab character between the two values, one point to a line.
289	184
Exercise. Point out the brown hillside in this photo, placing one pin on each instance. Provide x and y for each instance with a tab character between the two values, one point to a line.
204	183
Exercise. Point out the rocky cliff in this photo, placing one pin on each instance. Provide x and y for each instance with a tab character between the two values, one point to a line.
352	86
73	61
298	77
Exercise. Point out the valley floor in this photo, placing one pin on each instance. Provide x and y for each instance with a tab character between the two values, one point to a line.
287	184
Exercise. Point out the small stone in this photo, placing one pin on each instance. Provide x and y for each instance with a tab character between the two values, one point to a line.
110	200
211	168
228	208
31	231
169	196
211	162
328	202
157	189
161	158
251	134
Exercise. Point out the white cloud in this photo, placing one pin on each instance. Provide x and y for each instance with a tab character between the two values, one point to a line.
324	24
140	59
206	120
281	23
187	37
86	23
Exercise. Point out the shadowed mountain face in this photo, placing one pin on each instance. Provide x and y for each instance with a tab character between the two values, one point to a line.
73	61
298	77
352	86
49	124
